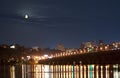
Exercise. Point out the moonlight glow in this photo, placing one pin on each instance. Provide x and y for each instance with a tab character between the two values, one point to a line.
26	16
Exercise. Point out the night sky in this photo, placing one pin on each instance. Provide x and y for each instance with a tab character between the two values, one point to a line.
51	22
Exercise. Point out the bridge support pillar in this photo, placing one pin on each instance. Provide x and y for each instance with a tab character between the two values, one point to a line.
87	70
32	69
83	76
118	70
80	70
12	71
111	71
77	71
104	71
84	71
68	71
60	71
65	72
99	71
53	70
95	71
73	70
41	70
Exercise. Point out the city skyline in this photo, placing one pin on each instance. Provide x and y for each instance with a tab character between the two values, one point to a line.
50	22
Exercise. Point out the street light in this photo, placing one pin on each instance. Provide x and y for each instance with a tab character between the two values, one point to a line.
13	46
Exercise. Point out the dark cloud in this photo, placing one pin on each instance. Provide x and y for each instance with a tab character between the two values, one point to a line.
58	21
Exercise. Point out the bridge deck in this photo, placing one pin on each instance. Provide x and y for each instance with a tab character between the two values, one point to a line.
101	57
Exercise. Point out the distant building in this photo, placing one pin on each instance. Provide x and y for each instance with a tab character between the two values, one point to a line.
4	46
100	43
60	47
36	48
88	44
70	49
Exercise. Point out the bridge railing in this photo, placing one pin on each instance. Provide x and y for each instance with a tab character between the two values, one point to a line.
84	50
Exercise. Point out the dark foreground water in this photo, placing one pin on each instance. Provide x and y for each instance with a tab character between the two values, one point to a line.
60	71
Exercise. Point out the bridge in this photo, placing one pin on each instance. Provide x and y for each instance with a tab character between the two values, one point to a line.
104	55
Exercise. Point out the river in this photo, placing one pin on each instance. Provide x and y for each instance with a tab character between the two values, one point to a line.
60	71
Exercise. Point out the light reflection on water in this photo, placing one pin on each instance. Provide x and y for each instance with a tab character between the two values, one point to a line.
65	71
70	71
